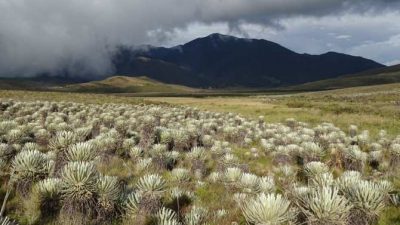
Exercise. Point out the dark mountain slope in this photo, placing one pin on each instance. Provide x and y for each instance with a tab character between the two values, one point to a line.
226	61
127	63
386	75
384	70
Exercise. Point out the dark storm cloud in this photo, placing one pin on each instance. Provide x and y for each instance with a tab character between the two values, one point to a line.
47	35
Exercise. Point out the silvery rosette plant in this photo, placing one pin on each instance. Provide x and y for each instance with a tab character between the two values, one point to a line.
324	205
151	188
76	163
28	167
79	188
268	209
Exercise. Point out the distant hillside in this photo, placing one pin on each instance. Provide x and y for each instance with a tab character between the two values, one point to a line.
17	84
34	84
389	69
157	69
39	83
386	75
225	61
123	84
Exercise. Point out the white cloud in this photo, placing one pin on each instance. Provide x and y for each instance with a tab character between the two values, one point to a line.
343	36
349	33
392	63
47	35
388	51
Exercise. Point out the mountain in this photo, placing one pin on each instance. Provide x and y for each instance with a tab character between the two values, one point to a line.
127	62
216	61
123	84
385	75
226	61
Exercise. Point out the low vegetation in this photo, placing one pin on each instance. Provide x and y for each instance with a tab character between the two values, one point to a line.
370	108
92	161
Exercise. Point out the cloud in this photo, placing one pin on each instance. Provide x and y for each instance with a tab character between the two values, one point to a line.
386	51
79	36
343	36
392	63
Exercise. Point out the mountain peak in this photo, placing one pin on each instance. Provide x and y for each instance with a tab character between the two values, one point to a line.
219	36
220	60
214	39
333	53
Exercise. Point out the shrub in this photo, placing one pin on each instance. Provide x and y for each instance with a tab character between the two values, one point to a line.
152	184
325	206
131	204
49	191
28	167
108	192
368	200
267	209
196	216
166	216
151	187
78	191
7	221
83	151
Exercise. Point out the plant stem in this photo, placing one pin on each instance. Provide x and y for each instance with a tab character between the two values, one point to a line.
3	207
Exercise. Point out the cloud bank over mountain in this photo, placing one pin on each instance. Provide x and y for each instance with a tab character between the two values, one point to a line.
50	36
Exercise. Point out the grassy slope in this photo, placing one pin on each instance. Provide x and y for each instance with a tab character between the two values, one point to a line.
372	108
20	84
122	84
42	83
373	77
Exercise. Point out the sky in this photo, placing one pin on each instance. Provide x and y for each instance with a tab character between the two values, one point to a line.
80	36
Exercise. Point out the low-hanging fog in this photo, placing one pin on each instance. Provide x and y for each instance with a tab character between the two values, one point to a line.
49	36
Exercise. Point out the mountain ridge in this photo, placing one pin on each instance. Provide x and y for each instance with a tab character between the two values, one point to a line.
225	61
222	61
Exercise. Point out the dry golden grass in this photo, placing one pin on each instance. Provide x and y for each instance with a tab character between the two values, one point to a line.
373	108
